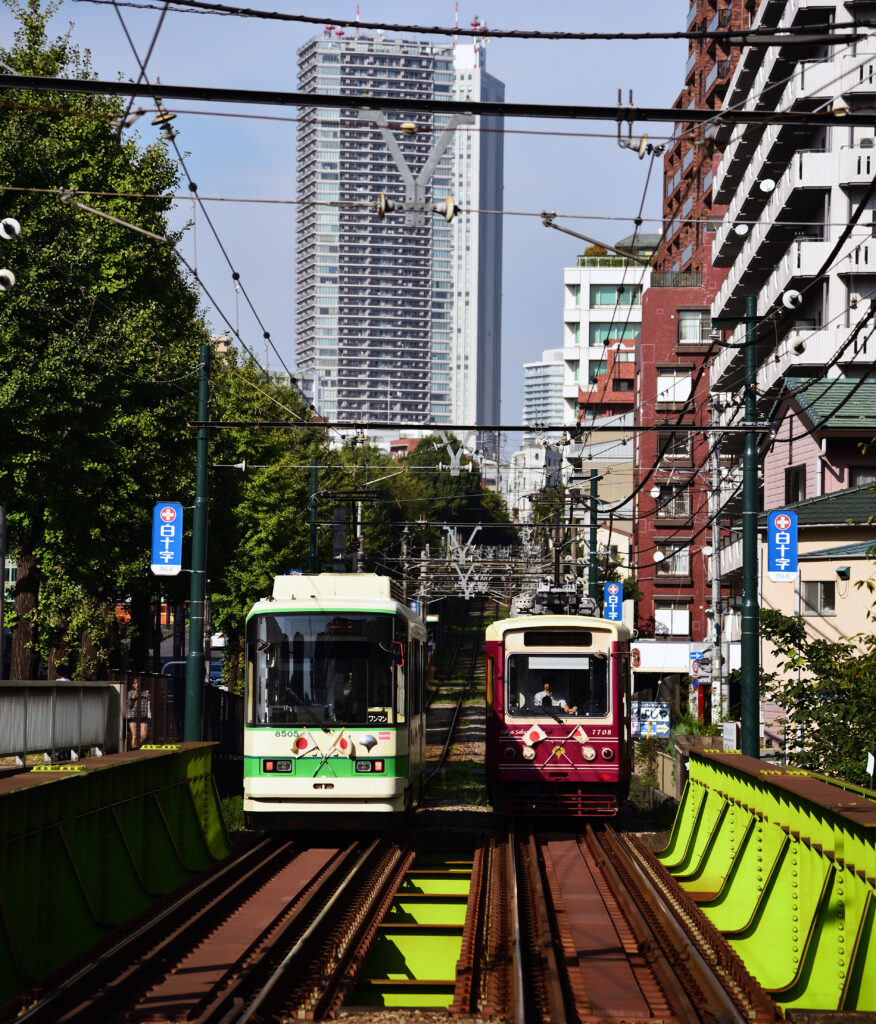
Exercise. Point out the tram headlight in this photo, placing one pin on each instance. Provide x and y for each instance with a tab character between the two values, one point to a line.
529	753
608	753
588	752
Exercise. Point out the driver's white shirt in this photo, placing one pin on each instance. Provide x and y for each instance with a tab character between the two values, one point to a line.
542	695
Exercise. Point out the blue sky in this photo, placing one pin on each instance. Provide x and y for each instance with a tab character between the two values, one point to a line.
237	157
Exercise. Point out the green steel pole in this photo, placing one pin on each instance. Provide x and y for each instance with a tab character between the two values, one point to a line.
195	657
314	502
750	654
592	567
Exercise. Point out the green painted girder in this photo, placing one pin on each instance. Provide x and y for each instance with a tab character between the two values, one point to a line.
86	847
783	862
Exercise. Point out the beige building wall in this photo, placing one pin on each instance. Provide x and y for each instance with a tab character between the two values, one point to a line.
852	603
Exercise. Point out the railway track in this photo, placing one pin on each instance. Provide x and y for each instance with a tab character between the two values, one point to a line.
520	925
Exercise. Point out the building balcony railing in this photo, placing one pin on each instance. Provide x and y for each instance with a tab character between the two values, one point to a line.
691	64
807	169
676	280
691	16
718	72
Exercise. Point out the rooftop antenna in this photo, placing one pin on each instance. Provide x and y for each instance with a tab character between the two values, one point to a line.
456	24
357	21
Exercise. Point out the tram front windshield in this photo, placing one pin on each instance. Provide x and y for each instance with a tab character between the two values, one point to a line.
552	685
320	669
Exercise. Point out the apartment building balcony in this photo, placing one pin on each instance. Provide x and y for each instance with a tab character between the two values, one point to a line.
717	75
812	83
731	559
806	170
800	262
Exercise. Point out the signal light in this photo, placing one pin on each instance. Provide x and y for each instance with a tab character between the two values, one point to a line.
607	753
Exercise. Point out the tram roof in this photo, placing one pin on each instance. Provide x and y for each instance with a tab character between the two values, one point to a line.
496	630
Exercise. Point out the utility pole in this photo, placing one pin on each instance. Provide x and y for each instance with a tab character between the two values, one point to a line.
404	566
718	685
313	566
195	659
750	702
592	567
750	623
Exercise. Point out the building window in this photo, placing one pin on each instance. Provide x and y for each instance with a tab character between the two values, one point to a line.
622	384
860	475
795	484
600	334
675	447
819	597
573	294
673	385
673	503
615	295
671	618
694	326
675	560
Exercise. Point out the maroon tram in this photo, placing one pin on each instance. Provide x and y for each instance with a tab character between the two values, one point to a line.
558	715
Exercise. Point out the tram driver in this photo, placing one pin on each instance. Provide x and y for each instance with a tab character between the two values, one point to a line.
548	697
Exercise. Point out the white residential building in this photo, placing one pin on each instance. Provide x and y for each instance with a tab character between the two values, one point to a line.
790	192
399	321
602	311
530	470
543	392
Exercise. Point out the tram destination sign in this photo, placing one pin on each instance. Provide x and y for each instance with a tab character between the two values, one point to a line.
782	546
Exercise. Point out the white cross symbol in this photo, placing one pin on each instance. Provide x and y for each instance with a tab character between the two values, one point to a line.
168	514
613	588
783	522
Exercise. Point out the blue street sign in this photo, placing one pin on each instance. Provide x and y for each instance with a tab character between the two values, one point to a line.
782	547
167	533
613	601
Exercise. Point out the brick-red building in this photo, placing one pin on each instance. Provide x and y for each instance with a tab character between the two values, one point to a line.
673	386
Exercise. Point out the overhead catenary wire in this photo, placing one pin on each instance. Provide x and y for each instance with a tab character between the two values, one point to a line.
749	36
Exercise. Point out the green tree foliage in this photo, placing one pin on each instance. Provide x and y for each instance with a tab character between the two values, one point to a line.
828	689
98	342
453	499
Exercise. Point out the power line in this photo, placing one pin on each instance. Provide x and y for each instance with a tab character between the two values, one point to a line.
860	116
762	36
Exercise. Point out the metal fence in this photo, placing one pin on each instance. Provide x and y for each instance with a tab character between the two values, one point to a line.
222	721
41	717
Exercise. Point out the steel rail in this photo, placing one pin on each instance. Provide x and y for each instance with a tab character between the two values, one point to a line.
518	989
294	952
717	998
156	932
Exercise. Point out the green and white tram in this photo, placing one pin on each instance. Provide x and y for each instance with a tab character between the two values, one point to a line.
335	715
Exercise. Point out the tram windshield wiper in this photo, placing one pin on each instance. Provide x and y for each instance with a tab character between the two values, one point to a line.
309	710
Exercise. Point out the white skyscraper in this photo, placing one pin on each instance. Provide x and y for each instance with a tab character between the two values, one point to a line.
399	321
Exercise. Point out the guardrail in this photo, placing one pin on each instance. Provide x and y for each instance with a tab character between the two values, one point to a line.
40	717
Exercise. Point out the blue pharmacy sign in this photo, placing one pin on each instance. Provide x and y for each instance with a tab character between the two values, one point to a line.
613	601
167	531
782	547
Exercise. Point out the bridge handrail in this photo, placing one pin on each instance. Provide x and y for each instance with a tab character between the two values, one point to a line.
38	716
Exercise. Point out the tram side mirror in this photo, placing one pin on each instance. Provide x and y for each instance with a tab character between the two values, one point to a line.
398	653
